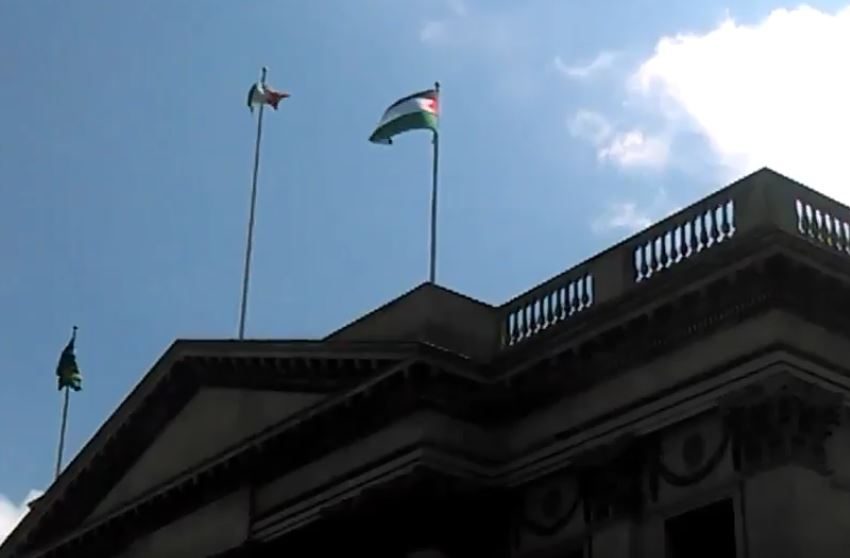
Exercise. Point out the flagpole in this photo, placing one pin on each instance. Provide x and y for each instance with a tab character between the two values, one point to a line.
64	423
249	244
62	431
432	274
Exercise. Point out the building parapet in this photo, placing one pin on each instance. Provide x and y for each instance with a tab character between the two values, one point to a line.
762	201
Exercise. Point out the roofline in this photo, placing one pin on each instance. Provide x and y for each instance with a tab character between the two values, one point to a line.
401	297
658	225
220	348
72	470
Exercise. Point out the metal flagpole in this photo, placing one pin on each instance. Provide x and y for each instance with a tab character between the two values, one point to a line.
432	275
62	430
63	425
247	274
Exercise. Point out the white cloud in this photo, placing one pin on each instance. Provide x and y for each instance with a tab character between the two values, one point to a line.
602	61
590	126
635	149
625	148
492	31
775	93
11	513
622	216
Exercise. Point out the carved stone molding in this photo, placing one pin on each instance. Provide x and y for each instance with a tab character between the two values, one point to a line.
699	460
611	481
782	420
550	506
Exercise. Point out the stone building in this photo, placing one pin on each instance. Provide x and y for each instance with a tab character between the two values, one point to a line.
682	394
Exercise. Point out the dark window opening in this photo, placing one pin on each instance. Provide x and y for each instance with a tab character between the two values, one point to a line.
705	532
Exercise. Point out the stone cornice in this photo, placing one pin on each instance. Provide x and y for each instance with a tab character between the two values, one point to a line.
59	513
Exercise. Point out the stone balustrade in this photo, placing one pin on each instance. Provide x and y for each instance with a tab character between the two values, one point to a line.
761	201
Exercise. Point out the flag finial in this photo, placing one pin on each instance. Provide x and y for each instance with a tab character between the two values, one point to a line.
436	85
263	73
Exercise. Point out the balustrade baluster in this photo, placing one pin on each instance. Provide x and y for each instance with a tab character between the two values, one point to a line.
658	251
548	305
798	209
579	290
635	266
703	234
836	233
526	330
540	321
643	268
719	222
837	240
573	299
730	214
828	237
695	228
665	255
564	301
676	245
711	227
819	224
559	304
517	327
726	220
810	221
650	259
716	226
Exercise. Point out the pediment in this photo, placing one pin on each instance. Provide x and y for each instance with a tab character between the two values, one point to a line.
212	421
429	314
200	398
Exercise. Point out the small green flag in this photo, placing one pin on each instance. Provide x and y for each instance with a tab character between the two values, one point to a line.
67	370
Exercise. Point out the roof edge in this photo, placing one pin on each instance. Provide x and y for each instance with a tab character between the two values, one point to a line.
397	300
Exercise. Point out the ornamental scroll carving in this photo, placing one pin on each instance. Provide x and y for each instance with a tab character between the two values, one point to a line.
698	460
780	420
612	486
550	506
604	484
783	420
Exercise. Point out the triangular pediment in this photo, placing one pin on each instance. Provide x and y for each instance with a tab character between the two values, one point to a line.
429	314
211	422
201	398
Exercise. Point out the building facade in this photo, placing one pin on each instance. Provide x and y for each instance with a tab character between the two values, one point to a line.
682	394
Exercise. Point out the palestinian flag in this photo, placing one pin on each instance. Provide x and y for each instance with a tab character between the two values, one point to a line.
419	111
261	94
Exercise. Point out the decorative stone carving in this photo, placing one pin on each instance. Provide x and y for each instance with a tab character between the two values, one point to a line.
611	481
697	461
550	506
784	419
693	450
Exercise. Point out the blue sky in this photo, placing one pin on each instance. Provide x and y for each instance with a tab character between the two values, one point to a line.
126	150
